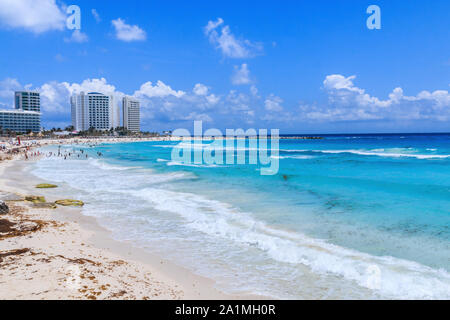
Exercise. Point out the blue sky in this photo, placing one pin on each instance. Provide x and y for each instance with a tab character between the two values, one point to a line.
300	66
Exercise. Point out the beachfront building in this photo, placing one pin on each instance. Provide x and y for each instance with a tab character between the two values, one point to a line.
26	116
94	110
28	101
131	114
20	121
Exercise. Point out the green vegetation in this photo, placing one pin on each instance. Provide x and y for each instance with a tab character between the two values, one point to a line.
35	199
70	202
46	186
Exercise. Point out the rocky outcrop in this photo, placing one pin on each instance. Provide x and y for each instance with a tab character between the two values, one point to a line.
4	209
46	186
35	199
70	202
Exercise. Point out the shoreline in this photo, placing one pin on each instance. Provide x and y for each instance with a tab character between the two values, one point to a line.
92	254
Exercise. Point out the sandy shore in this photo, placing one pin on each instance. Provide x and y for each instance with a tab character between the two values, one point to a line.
61	254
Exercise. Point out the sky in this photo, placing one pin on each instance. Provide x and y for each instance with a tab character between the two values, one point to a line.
298	66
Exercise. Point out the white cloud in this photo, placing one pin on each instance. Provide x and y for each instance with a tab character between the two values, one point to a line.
227	43
8	86
212	99
31	15
212	25
128	33
159	102
96	15
241	75
348	102
159	90
200	89
273	103
342	90
91	85
254	91
78	37
55	96
194	116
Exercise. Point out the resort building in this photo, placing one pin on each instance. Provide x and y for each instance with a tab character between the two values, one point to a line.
28	101
20	121
26	116
94	110
131	114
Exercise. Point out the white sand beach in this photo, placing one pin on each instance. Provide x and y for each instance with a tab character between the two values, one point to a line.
58	253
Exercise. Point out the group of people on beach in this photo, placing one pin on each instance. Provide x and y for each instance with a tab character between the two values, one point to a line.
68	154
32	155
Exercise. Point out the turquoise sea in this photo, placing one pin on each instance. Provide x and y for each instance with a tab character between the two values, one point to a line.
349	216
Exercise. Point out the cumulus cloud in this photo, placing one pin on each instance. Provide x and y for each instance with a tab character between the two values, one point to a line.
172	108
347	102
31	15
128	33
254	91
159	102
238	101
273	103
159	90
242	106
241	75
78	37
200	89
220	36
55	96
8	86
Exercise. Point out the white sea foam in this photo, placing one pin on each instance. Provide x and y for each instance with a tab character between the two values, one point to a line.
176	163
388	154
101	164
398	278
299	157
374	152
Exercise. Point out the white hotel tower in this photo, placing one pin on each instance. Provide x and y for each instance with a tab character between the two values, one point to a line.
94	110
27	115
131	114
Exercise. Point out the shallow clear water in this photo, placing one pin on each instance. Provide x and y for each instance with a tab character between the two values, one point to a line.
345	217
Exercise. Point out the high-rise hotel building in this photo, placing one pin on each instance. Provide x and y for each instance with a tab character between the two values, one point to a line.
26	117
94	110
131	114
28	101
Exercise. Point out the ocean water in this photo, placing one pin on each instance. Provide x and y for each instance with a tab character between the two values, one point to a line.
349	216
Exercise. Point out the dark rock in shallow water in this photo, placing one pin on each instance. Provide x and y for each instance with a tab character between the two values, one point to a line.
3	208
